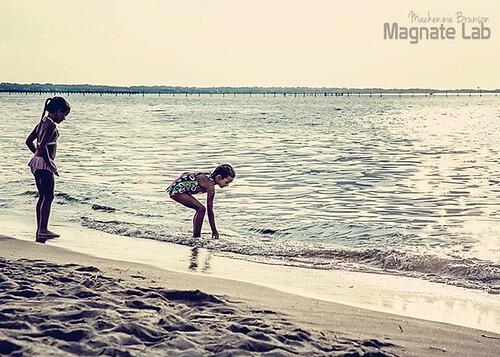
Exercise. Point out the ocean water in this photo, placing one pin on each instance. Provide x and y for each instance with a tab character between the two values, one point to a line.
406	186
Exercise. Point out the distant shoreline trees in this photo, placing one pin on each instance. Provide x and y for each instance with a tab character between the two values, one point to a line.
89	88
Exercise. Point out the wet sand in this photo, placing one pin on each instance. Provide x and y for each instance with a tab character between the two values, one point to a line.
54	301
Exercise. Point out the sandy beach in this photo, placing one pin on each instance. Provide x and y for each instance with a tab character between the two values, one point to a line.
274	178
55	301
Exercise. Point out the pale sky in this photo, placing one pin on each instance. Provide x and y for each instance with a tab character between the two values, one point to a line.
241	43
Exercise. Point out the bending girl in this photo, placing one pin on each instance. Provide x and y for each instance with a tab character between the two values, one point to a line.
190	183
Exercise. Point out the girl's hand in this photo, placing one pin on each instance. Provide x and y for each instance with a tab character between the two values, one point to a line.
54	168
215	234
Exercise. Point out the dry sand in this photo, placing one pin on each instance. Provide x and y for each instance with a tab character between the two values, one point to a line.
54	301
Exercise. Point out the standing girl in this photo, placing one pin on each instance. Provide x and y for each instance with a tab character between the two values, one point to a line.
42	164
190	183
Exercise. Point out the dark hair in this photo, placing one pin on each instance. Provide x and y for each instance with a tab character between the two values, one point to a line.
224	170
54	104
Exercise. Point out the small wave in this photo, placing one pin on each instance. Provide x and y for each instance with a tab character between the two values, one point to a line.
67	198
469	273
62	197
463	272
97	207
29	193
266	231
142	214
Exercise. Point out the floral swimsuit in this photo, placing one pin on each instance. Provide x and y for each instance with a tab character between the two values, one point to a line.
187	183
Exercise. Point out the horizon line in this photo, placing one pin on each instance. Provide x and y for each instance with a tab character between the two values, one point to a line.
164	86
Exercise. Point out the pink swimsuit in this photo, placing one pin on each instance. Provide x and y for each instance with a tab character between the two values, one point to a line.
38	162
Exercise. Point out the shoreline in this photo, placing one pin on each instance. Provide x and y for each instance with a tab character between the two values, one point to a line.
410	336
392	294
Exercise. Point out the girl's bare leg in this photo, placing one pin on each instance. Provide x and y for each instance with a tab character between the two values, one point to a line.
38	210
45	213
45	184
39	186
191	202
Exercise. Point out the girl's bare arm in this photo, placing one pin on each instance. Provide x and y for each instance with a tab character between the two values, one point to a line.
211	215
30	139
210	188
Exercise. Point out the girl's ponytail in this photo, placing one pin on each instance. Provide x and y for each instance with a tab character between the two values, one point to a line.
45	107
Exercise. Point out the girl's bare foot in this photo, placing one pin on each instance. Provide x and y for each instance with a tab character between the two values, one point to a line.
48	234
39	239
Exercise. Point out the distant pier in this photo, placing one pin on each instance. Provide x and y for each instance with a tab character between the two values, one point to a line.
250	94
